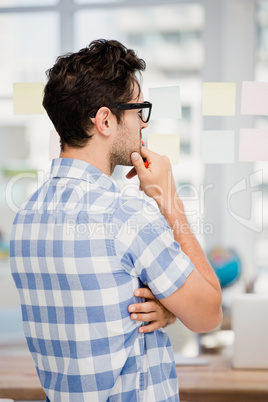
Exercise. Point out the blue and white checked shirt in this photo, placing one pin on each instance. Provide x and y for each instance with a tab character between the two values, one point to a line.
78	250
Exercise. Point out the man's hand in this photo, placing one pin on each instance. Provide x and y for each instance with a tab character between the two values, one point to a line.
151	311
197	303
157	180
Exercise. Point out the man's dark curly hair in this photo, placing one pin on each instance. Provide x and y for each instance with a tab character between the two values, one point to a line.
102	74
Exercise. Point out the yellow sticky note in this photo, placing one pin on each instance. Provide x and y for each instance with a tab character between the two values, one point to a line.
165	144
28	98
219	98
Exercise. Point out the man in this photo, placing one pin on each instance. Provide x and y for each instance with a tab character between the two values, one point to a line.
82	254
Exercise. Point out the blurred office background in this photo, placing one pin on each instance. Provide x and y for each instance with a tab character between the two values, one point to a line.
184	43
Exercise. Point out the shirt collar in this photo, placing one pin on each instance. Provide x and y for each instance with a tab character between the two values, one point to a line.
78	169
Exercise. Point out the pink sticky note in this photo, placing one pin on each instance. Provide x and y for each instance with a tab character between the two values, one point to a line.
254	98
253	145
54	145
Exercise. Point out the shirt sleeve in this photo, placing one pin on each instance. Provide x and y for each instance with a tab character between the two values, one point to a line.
146	247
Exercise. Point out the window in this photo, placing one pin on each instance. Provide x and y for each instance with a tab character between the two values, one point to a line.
261	74
22	3
27	54
33	34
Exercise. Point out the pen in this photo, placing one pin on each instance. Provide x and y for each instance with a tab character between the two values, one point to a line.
146	164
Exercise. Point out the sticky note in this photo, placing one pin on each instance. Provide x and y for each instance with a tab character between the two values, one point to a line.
166	102
253	144
28	97
219	98
165	144
54	145
218	146
254	98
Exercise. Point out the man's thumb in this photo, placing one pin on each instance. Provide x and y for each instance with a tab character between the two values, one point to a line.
136	159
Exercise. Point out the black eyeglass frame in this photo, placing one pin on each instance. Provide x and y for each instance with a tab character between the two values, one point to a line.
131	106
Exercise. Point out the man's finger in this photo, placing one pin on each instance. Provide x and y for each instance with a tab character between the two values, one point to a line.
145	317
131	173
148	154
138	163
151	327
144	292
143	307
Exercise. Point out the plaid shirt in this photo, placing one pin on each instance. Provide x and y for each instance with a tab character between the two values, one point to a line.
78	250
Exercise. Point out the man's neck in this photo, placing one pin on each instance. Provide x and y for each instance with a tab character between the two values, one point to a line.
97	159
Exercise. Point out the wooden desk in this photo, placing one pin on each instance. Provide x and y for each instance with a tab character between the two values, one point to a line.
19	380
216	382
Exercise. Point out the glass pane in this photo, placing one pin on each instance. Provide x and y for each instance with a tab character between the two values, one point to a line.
169	37
262	42
14	3
98	1
100	26
261	74
29	51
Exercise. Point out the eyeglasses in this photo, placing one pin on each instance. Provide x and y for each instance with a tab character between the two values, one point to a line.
144	113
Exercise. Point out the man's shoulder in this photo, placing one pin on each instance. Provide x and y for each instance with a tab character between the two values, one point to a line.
129	208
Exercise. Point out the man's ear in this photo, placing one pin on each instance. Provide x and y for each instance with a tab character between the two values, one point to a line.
104	120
